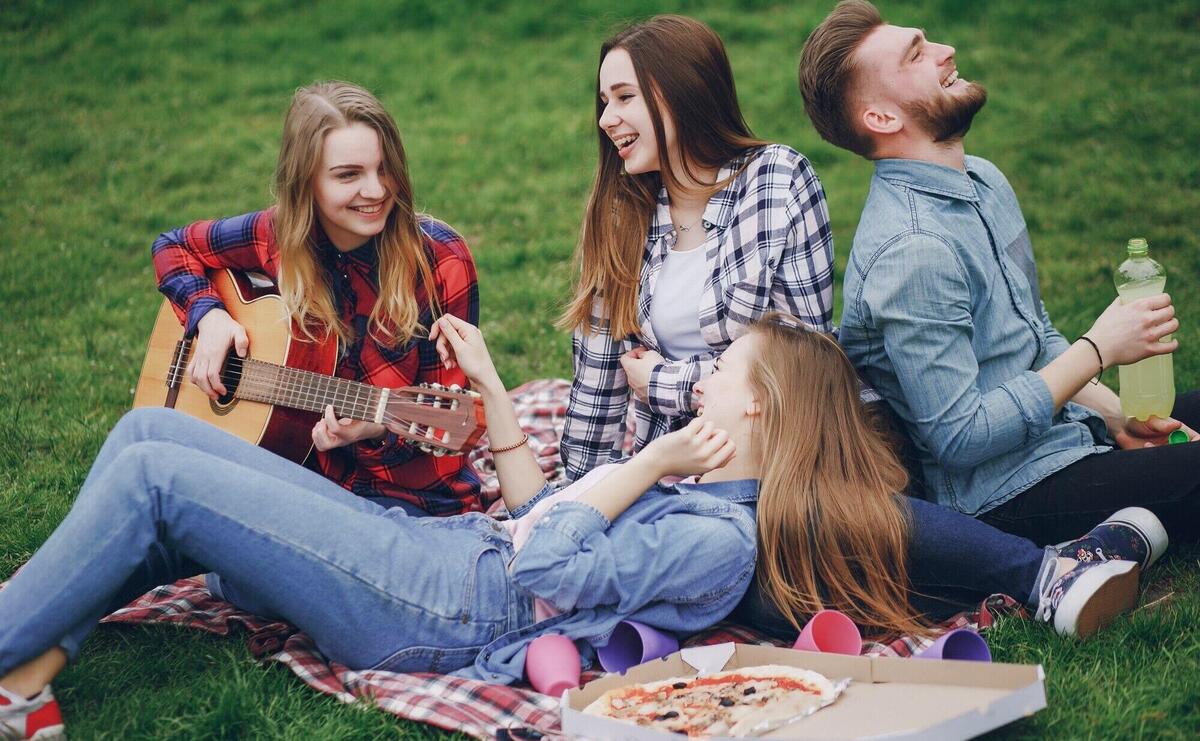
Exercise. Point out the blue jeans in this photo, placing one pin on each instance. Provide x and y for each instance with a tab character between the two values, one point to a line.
169	496
954	561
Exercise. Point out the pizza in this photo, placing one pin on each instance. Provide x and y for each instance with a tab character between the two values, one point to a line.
737	702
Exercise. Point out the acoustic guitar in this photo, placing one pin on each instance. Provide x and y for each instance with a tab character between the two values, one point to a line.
275	395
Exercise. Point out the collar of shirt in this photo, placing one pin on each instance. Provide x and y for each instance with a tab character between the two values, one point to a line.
365	256
930	178
740	491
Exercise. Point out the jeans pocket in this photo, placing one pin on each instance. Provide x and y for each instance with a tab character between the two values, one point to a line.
428	659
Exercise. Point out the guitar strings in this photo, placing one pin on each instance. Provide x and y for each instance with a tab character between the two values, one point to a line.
284	383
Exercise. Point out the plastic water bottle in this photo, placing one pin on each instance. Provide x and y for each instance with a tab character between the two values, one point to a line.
1148	386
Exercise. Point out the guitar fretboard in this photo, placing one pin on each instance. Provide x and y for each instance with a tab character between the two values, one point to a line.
301	389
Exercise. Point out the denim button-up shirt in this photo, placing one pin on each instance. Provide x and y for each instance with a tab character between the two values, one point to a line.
679	558
943	316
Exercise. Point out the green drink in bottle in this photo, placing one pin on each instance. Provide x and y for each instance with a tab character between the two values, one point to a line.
1148	386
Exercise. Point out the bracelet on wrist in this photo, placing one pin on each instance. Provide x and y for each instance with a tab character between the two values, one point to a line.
1099	357
514	446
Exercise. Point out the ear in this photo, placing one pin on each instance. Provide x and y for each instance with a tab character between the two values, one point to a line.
753	409
879	119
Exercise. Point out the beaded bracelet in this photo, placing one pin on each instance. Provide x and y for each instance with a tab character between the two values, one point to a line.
514	446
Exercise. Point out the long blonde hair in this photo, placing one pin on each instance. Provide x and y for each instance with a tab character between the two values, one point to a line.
315	111
832	529
681	66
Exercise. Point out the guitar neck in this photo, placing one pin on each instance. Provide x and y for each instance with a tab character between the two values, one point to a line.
309	391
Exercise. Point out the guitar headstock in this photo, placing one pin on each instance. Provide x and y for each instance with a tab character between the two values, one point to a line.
437	419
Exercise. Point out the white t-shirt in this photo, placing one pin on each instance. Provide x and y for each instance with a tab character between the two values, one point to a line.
675	305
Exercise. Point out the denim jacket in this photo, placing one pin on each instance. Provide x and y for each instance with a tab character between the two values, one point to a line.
943	316
679	558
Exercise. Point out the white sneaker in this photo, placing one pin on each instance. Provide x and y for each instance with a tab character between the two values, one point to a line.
1089	596
35	718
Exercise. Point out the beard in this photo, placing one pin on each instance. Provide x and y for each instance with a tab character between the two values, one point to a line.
948	117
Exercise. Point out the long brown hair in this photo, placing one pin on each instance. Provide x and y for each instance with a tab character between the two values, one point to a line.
681	66
315	111
832	530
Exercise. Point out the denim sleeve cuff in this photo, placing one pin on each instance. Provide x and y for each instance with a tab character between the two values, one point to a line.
573	520
1033	400
198	309
528	504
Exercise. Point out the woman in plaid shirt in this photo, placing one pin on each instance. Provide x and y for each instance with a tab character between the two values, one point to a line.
694	228
344	226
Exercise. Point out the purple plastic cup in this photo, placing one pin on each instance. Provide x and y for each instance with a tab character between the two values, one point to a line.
831	632
962	644
552	664
633	643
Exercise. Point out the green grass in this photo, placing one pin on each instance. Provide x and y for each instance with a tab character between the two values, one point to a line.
120	120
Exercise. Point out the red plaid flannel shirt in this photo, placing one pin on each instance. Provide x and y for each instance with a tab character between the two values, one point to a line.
440	486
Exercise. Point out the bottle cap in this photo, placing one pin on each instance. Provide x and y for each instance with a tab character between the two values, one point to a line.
1137	246
1176	437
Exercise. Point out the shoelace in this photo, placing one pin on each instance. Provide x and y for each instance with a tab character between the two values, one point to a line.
1047	578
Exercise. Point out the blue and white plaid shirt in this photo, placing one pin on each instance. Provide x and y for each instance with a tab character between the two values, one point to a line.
769	248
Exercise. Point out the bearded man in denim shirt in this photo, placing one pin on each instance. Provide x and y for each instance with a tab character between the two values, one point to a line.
943	315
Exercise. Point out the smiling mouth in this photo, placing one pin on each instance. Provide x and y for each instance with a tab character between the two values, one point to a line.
625	142
368	210
950	79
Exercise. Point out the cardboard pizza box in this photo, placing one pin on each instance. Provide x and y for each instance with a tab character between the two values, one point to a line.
889	698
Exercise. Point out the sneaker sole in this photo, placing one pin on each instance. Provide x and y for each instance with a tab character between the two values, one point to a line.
1148	526
1096	598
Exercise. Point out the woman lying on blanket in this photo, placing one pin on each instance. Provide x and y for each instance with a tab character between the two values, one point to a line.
352	256
781	431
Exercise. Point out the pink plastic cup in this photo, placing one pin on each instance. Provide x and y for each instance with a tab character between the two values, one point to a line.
831	632
962	644
633	643
552	664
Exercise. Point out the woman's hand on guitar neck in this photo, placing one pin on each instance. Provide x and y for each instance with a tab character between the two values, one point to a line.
216	332
330	432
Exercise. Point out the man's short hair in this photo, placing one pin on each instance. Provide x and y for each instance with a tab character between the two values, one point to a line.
828	73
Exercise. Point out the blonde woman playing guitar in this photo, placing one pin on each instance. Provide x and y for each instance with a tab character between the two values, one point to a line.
362	277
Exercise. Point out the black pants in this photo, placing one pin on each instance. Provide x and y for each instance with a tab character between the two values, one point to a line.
1068	503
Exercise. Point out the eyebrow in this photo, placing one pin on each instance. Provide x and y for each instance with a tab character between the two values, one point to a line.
346	167
617	86
917	38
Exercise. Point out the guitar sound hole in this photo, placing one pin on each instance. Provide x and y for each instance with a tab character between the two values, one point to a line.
231	376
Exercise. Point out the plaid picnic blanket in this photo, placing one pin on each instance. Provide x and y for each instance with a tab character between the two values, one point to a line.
468	706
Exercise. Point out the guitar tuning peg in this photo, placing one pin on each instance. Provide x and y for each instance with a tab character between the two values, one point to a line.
438	452
437	387
473	394
455	387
